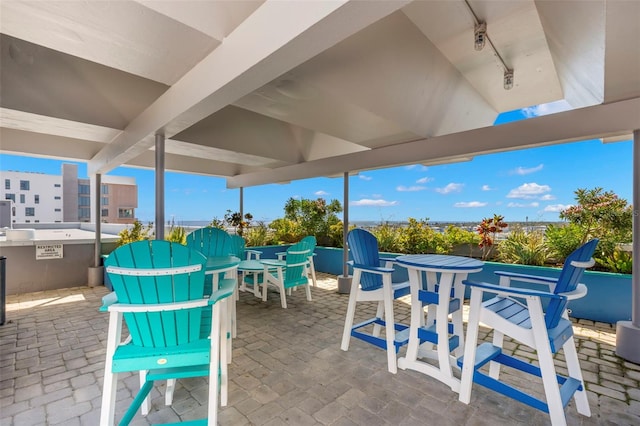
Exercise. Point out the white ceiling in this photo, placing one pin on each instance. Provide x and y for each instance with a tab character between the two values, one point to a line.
271	91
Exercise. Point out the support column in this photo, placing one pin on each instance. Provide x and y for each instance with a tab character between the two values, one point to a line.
628	332
95	274
344	280
159	187
241	209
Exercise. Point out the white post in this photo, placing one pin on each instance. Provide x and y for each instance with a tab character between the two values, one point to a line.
159	187
628	332
344	280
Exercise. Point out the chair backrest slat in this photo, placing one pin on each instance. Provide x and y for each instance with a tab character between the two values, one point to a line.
568	281
237	246
363	246
210	241
166	328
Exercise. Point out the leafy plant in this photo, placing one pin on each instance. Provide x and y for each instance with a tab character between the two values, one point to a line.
419	237
487	230
217	223
389	237
286	231
315	217
619	261
257	235
456	236
524	248
561	240
137	232
177	234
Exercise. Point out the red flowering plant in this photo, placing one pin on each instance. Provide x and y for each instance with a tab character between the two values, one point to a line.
488	229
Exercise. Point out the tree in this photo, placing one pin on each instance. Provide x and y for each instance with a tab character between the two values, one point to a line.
315	217
603	215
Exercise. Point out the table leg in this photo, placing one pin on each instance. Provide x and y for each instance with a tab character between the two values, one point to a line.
417	318
456	317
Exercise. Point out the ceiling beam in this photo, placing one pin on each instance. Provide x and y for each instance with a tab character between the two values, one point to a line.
258	51
618	118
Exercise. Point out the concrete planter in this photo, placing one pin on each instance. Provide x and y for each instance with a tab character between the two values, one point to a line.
608	299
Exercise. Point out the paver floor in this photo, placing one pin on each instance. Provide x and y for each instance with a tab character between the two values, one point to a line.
287	369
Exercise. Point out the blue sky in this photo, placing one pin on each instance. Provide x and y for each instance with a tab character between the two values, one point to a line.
531	184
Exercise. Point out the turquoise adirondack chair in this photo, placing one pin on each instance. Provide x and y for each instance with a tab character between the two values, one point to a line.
520	314
239	250
159	292
288	273
372	282
311	243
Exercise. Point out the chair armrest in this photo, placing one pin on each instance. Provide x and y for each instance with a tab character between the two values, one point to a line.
580	291
256	253
535	279
225	289
373	269
107	301
281	255
588	264
273	262
513	291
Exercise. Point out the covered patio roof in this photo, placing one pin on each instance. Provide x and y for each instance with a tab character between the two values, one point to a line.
260	92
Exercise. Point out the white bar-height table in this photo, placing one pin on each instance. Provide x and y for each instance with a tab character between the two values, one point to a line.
442	297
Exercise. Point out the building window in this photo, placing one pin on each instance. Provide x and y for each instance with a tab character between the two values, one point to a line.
36	199
105	212
84	212
29	211
57	210
36	221
83	189
56	185
57	197
24	185
22	199
84	201
7	184
105	189
125	213
105	201
11	197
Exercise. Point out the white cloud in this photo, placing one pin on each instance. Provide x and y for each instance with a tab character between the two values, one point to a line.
365	177
414	188
556	208
520	205
321	193
486	188
416	167
470	204
452	187
547	197
374	203
529	190
546	109
525	171
424	180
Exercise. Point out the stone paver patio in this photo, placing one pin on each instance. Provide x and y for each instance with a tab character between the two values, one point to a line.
287	369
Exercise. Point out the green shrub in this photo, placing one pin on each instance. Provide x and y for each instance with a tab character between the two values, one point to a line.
286	231
456	236
257	235
419	237
523	248
137	232
561	240
619	261
389	237
177	234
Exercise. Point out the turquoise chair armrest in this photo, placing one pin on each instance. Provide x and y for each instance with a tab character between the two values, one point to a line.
225	289
273	262
108	300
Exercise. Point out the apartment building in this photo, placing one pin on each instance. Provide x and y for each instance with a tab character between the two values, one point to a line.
38	198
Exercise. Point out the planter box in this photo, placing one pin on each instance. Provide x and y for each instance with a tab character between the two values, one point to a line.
608	299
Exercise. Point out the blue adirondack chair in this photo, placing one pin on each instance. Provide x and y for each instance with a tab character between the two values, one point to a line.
159	292
544	327
372	282
288	273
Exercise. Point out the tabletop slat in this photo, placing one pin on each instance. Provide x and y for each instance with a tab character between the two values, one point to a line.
440	261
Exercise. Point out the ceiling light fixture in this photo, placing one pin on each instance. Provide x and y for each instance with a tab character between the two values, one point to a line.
481	38
480	32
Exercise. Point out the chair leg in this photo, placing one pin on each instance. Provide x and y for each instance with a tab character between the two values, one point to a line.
283	295
494	367
168	395
144	407
573	367
545	360
351	311
313	271
224	353
470	345
108	410
377	328
390	333
308	289
214	365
